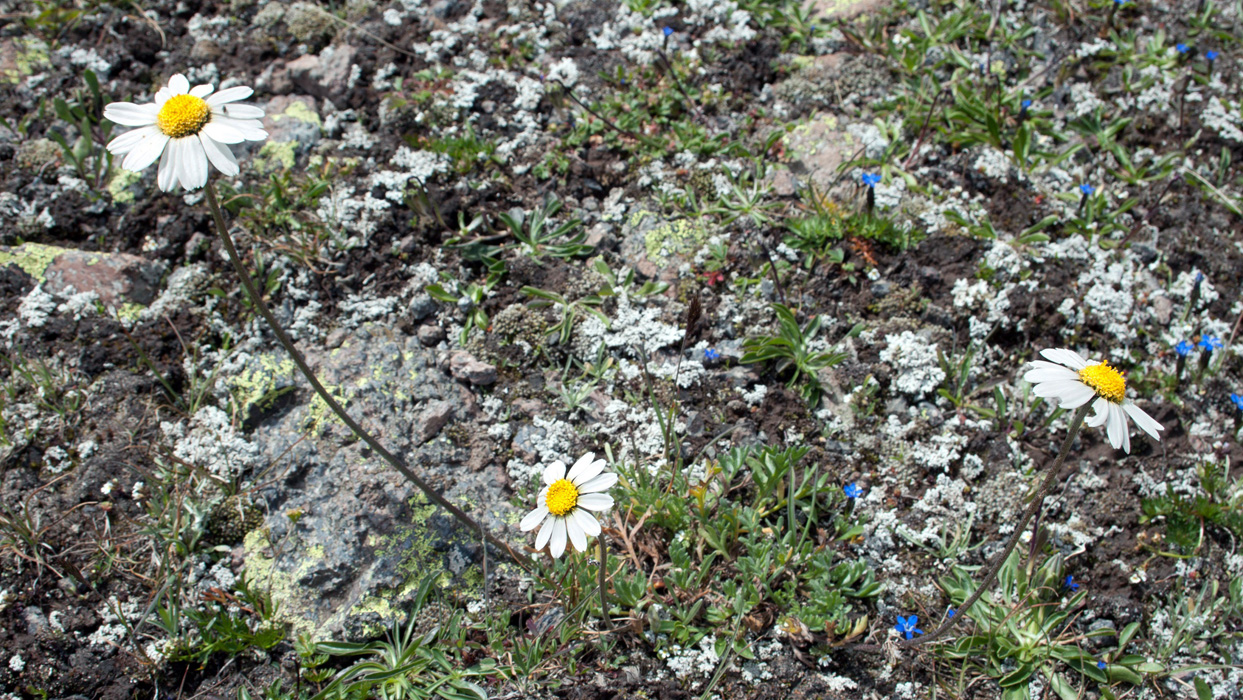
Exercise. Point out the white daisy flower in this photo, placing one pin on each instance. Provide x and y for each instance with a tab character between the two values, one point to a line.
1074	381
185	128
565	500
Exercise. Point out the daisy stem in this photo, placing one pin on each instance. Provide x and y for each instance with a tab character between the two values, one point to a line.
604	581
396	462
1032	508
994	567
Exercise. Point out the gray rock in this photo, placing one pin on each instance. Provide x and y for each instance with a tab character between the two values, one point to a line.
348	538
326	74
1162	309
524	442
421	306
432	419
431	335
468	368
656	245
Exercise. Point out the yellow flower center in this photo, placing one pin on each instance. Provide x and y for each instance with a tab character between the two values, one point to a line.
183	115
1107	381
562	497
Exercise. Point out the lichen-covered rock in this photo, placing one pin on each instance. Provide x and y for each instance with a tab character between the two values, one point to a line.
348	539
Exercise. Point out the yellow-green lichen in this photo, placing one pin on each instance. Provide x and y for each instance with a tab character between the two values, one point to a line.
260	386
22	57
319	415
33	258
293	601
276	156
119	185
299	111
679	237
129	311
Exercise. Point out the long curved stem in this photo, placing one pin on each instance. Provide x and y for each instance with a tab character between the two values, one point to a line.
994	567
395	461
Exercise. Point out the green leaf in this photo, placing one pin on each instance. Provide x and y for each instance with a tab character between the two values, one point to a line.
1203	692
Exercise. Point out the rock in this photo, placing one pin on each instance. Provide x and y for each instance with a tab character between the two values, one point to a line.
292	119
815	148
432	419
524	441
830	10
430	334
205	51
656	245
358	537
601	237
1162	309
466	367
422	306
327	74
21	57
117	278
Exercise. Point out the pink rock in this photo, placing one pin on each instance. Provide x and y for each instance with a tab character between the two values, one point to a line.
466	367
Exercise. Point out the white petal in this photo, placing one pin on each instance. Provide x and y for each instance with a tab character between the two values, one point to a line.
1100	413
162	95
1049	372
129	140
145	153
201	91
1116	427
604	482
533	518
587	522
130	114
545	533
1069	394
595	501
1145	422
232	94
220	156
222	132
179	84
585	469
554	472
167	177
557	545
577	537
250	129
243	111
1062	356
193	162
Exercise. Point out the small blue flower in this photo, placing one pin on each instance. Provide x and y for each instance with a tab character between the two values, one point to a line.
711	354
1070	583
852	490
1182	48
906	625
871	179
1210	56
1237	400
951	612
1199	277
1025	104
668	31
1184	348
1086	188
1209	343
1121	2
1101	665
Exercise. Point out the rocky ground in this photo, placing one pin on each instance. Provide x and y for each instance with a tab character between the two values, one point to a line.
508	234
